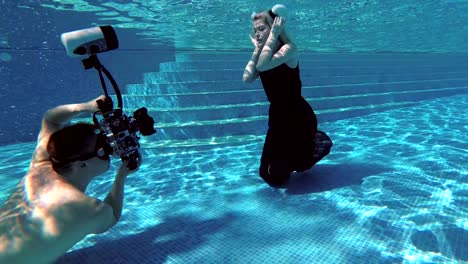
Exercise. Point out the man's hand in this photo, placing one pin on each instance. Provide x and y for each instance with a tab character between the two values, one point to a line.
92	105
124	171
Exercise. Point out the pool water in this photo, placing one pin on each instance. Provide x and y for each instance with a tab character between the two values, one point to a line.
393	190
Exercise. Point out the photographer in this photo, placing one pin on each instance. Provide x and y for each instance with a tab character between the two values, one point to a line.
49	211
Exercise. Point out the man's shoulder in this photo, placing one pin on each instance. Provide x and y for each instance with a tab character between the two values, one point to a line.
91	214
61	199
40	154
98	214
66	203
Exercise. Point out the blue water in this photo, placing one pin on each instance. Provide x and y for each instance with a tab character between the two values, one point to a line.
393	190
391	93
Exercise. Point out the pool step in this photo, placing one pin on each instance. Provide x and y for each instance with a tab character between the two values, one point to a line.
252	96
255	123
199	101
364	57
236	74
182	66
193	133
226	85
156	145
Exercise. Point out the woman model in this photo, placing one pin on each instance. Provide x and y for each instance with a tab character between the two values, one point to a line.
292	142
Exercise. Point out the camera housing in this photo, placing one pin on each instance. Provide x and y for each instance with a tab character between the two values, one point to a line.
119	130
90	41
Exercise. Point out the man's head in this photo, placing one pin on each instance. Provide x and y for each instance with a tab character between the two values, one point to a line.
78	146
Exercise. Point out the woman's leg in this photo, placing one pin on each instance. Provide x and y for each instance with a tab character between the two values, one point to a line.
318	145
323	145
304	151
304	144
313	152
275	167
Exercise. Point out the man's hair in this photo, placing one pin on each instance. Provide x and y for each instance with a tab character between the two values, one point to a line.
69	142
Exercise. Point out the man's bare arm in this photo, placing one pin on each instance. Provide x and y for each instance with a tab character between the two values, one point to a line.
56	118
115	197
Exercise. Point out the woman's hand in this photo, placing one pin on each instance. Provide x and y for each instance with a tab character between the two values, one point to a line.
254	42
278	26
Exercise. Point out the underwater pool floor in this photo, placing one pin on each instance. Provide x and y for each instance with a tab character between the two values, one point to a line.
393	190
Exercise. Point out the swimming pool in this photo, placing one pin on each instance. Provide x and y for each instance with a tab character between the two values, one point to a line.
393	190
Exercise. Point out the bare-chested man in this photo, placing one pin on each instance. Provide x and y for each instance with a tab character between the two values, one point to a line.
49	211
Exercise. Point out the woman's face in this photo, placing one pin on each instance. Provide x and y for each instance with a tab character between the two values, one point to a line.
262	31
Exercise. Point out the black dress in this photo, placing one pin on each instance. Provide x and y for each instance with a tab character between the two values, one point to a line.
292	126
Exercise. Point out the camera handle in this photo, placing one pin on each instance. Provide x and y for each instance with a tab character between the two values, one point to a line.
107	105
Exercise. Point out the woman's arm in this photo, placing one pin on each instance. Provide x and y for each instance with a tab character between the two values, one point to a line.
250	72
269	60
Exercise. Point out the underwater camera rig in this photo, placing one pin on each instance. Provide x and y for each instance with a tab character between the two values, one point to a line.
119	130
